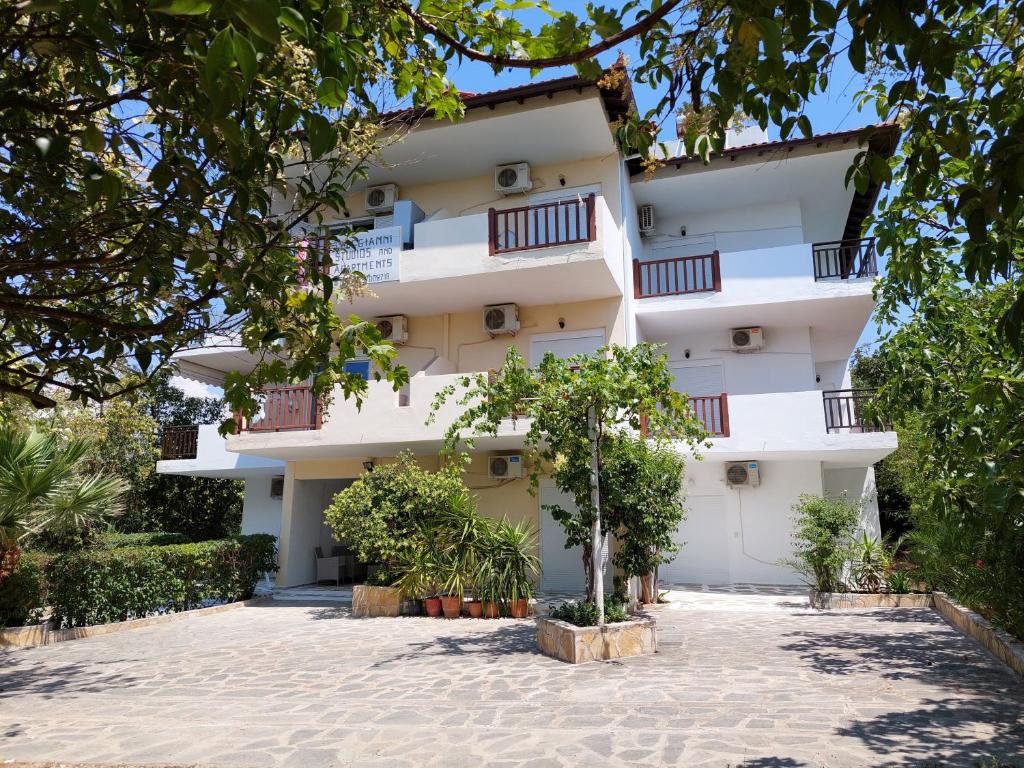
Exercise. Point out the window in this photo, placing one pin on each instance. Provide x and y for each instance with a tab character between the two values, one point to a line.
358	367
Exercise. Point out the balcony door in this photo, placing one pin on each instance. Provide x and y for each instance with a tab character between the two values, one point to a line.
699	380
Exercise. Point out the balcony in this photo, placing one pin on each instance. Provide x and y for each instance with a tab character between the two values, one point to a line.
844	411
713	412
179	442
285	409
845	259
565	250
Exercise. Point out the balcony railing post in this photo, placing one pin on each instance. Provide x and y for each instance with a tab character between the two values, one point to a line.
591	217
716	271
636	278
725	412
492	230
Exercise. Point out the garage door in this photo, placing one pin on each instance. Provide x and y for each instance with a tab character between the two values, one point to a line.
561	568
703	542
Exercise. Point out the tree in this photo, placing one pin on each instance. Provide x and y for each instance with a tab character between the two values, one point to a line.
823	539
642	501
157	158
950	374
574	407
45	492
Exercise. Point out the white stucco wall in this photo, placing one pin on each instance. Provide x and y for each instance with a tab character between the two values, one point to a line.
856	483
261	513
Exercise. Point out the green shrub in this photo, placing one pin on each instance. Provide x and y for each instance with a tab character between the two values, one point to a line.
22	593
822	539
114	539
100	586
585	614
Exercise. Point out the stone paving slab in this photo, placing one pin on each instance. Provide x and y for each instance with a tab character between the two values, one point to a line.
740	679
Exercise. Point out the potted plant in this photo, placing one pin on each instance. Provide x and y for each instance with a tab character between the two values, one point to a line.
515	564
417	571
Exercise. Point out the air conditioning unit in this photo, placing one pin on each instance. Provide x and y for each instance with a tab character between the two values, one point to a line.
512	178
501	318
507	466
394	328
746	339
645	214
381	198
742	473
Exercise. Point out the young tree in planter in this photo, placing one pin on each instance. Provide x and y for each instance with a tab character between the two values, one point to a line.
574	408
642	503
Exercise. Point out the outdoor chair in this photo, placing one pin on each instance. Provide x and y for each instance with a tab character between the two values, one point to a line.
327	568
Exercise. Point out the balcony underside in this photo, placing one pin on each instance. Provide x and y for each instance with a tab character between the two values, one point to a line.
834	451
529	278
836	315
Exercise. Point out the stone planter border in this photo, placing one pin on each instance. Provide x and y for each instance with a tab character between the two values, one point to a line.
999	643
369	601
578	645
46	634
839	601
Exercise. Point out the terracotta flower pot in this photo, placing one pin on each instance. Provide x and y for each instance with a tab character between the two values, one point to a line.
491	610
452	606
476	609
520	609
433	606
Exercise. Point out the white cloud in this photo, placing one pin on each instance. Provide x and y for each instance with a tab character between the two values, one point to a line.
194	388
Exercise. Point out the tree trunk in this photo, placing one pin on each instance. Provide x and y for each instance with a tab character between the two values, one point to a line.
648	589
597	566
587	556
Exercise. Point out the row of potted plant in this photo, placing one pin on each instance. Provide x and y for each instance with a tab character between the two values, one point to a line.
462	554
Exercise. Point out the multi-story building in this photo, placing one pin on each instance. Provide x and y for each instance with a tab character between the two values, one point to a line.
523	224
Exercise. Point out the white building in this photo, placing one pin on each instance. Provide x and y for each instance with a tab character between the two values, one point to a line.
751	270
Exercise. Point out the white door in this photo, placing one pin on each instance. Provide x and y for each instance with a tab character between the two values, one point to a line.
565	345
703	542
561	568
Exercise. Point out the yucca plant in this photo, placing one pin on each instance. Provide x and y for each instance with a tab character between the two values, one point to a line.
513	548
44	491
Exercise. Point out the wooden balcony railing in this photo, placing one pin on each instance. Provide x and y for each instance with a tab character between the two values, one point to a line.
844	411
845	259
285	409
677	276
561	222
179	442
713	412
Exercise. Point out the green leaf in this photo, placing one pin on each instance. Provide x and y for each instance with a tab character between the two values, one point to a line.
143	356
182	7
330	92
321	135
294	21
261	16
772	37
245	55
219	56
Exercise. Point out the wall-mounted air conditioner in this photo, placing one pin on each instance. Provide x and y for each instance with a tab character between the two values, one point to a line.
507	466
393	328
512	178
742	473
746	339
381	198
645	215
501	318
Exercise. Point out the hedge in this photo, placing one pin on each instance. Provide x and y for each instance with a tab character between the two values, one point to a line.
23	592
114	540
99	586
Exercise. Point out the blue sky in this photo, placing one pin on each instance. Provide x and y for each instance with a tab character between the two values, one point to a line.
833	110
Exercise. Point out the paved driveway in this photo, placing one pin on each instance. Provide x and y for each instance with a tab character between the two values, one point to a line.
740	679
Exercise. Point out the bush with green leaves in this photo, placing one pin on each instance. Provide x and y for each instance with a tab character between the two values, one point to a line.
115	540
22	592
98	586
822	539
585	613
380	514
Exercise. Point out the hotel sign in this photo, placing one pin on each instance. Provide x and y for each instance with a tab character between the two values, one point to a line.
374	253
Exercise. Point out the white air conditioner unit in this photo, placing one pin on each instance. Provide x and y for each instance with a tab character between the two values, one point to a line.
381	198
394	328
742	473
507	466
512	178
746	339
645	214
501	318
